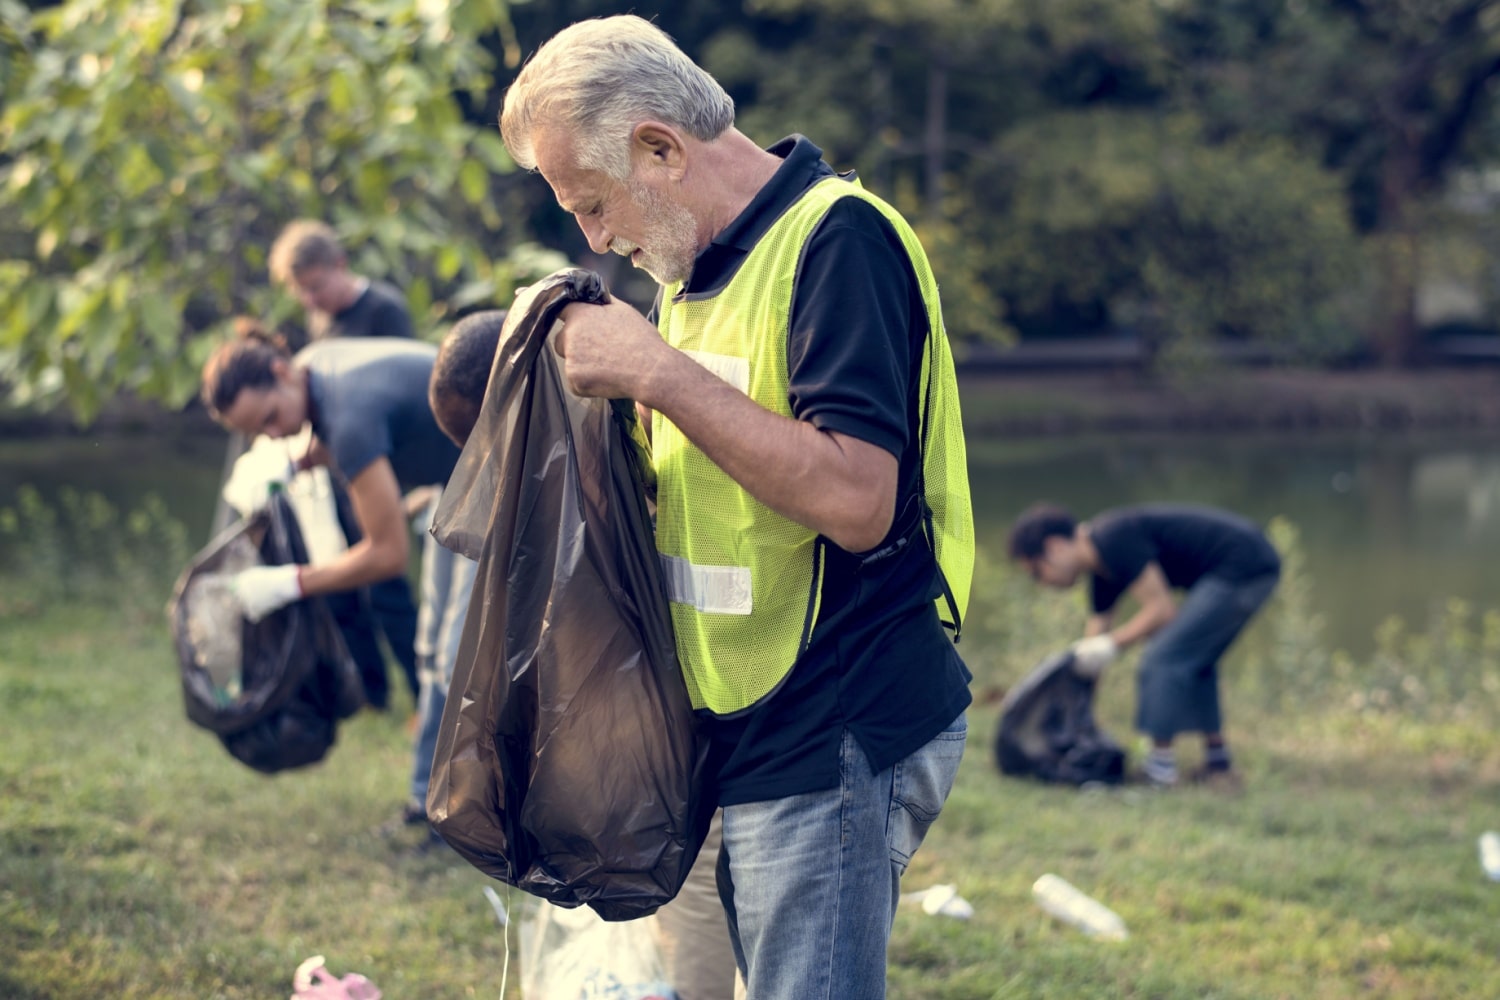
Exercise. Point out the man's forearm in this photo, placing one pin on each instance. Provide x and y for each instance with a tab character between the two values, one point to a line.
835	485
360	566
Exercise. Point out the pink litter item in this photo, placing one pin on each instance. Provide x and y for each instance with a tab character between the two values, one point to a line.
314	982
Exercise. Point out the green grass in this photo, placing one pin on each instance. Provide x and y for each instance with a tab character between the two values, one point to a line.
139	860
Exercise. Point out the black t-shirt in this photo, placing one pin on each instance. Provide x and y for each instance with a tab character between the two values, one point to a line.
1186	541
380	311
878	661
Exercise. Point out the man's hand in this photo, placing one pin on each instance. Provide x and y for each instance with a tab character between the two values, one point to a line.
608	350
1092	655
264	589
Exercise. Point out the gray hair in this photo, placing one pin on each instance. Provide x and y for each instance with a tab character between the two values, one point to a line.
600	78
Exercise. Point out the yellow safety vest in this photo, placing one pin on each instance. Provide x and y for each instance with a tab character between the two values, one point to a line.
744	581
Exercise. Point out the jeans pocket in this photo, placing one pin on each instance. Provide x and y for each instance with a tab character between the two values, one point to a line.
920	784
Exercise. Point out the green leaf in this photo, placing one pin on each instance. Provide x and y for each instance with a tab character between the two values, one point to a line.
450	260
475	181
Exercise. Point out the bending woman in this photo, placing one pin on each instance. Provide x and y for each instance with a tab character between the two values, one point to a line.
366	401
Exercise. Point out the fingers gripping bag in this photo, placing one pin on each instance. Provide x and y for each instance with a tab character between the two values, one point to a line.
570	764
272	691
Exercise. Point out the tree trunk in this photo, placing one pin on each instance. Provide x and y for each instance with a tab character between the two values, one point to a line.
1396	329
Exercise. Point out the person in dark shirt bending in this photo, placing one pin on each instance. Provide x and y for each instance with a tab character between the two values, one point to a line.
1227	568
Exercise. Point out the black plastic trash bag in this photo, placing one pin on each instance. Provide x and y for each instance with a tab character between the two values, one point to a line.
273	691
570	762
1047	729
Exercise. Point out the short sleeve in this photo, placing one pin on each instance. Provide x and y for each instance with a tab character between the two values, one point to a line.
391	320
1125	550
851	334
355	445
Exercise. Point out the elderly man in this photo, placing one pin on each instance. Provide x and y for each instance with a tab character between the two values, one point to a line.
813	510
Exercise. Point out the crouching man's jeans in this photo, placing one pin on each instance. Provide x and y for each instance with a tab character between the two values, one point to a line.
810	882
1177	683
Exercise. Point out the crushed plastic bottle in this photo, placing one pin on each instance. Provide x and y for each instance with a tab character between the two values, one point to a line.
944	900
1489	854
1065	902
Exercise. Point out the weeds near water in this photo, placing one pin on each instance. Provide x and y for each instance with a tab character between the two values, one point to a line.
1450	672
80	548
1290	663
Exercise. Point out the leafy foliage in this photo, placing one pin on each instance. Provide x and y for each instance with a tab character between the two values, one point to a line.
1193	169
155	149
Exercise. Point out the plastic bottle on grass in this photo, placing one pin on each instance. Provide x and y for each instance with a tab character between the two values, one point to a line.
1489	854
944	900
1059	898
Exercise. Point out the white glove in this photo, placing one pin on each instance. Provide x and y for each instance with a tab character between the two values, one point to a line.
249	485
1092	655
263	589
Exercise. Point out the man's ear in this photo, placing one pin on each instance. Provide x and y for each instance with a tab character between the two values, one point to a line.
658	146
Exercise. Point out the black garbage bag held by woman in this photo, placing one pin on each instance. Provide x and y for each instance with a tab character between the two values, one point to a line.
273	691
570	763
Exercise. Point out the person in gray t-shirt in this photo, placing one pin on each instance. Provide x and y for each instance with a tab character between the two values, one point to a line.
366	402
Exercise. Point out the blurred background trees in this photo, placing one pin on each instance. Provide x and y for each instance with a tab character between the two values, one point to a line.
1295	179
154	149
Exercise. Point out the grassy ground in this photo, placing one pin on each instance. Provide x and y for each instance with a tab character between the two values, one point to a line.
138	860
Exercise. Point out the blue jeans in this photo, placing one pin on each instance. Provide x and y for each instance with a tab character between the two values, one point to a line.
1177	684
447	581
810	882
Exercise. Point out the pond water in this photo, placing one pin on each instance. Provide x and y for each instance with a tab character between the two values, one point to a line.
1392	525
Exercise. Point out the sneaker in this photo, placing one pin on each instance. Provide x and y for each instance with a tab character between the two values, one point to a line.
1160	769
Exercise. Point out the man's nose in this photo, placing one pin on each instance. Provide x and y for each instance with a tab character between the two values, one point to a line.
595	233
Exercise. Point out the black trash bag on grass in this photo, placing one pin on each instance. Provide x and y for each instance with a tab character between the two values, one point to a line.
1047	729
570	762
272	691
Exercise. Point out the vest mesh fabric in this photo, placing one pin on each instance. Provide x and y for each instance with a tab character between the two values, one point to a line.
732	661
